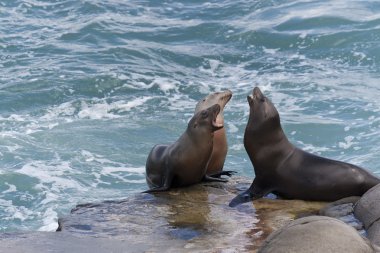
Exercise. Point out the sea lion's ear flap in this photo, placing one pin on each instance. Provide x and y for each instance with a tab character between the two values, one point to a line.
250	100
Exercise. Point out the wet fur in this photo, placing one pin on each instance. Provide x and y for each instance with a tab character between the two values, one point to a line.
288	171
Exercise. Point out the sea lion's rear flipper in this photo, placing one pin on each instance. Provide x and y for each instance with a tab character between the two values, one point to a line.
228	173
157	189
165	187
207	178
254	192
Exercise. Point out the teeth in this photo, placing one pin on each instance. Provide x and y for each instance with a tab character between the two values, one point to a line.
217	125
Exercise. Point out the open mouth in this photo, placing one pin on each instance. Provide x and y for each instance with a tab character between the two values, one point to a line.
215	124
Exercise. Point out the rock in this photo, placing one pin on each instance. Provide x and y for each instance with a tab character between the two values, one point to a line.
340	208
367	210
374	235
343	210
191	219
368	207
316	234
38	242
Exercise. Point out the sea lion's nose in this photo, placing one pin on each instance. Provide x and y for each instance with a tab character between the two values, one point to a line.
257	93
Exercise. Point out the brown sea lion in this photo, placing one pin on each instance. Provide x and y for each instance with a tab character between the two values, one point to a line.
288	171
185	161
219	151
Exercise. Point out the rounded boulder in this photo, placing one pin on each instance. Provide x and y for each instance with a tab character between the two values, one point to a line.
314	234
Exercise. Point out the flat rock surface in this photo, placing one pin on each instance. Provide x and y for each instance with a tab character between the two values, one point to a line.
196	218
192	219
45	242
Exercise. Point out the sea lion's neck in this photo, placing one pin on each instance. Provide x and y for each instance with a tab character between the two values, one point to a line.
202	140
195	146
267	147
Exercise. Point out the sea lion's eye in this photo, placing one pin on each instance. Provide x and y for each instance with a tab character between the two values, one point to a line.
262	100
204	114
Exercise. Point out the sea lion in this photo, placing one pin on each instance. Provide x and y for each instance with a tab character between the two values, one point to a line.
288	171
185	161
219	151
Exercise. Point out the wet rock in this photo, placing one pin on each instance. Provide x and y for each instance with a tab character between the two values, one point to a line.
367	210
343	210
316	234
192	219
340	208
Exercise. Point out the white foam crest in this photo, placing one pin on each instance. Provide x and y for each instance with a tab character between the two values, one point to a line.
121	106
52	174
178	102
90	157
237	147
232	128
348	142
96	111
113	169
14	118
349	10
12	188
270	50
104	110
313	149
165	84
64	109
15	212
13	148
146	16
122	173
134	170
27	124
50	218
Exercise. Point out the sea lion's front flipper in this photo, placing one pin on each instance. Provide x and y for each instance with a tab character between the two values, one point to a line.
254	192
207	178
228	173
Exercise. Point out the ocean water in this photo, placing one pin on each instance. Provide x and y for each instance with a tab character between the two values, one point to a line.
87	87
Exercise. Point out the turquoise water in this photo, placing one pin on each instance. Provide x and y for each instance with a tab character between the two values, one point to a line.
88	87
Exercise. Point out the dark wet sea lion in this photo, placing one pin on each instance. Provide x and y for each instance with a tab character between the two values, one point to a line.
185	161
288	171
219	150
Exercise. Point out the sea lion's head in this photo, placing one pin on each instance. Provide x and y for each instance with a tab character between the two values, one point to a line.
262	111
220	98
206	120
